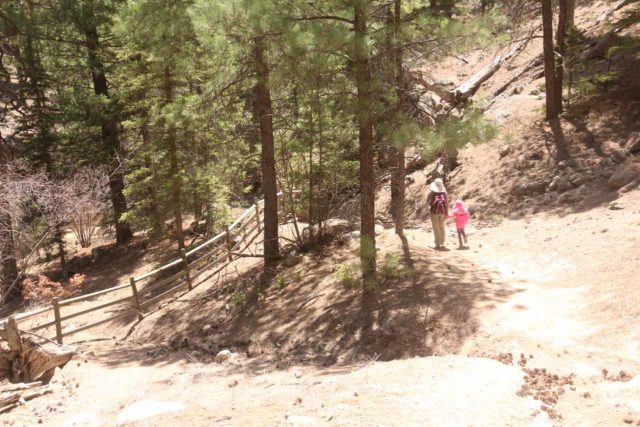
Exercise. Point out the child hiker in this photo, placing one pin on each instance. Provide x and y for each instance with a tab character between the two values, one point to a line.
461	214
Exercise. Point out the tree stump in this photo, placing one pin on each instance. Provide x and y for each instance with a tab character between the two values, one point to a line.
23	359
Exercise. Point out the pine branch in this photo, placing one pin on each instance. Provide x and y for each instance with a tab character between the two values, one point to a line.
324	18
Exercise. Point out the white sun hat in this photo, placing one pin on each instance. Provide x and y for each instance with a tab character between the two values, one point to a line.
437	186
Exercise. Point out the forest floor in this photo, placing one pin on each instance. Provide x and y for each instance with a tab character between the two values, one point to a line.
570	310
534	324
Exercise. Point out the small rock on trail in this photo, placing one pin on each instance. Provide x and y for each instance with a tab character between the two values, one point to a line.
224	356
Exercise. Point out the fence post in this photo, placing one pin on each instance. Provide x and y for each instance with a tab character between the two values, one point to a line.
257	204
187	275
136	298
229	242
56	314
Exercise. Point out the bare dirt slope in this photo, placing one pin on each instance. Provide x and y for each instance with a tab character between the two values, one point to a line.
569	309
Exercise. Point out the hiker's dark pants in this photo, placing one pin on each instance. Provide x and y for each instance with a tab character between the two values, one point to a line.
437	221
461	236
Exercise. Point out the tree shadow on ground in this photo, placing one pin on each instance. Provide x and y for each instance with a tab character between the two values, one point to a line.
429	308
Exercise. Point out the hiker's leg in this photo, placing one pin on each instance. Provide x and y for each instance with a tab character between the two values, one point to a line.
441	228
460	234
434	226
464	235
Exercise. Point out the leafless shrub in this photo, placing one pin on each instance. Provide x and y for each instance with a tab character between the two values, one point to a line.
81	200
33	207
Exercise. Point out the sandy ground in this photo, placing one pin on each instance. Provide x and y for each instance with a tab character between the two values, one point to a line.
570	308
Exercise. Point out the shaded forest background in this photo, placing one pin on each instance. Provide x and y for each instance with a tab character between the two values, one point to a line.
163	116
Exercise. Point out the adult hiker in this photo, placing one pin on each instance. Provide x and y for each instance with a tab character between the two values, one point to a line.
439	209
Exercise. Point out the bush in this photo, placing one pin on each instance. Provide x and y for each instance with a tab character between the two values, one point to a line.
280	283
42	289
238	298
347	275
389	269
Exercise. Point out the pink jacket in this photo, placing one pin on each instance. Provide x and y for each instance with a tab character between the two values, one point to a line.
460	213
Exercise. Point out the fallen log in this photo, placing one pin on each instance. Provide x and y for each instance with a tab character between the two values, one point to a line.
536	62
467	89
15	394
23	359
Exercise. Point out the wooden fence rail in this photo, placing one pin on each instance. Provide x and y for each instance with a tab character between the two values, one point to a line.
219	251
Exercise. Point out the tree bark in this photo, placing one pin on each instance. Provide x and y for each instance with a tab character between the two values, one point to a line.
8	255
269	185
397	152
365	140
109	132
561	34
174	170
27	359
156	218
549	60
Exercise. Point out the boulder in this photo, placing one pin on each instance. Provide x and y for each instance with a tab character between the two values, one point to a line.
504	151
564	184
571	196
606	172
224	356
619	155
534	92
522	163
529	188
624	174
579	179
548	199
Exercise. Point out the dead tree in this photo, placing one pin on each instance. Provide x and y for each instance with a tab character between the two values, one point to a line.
467	89
23	359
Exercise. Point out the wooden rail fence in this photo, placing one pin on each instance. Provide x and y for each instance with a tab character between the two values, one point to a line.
217	251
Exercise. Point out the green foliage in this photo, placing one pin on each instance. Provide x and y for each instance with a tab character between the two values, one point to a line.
347	275
497	219
238	298
280	283
456	132
181	78
389	268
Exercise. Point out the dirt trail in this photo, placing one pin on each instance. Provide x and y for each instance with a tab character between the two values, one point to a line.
567	301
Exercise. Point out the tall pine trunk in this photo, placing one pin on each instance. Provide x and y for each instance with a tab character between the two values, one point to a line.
174	169
561	34
109	133
397	152
365	139
268	163
8	256
549	60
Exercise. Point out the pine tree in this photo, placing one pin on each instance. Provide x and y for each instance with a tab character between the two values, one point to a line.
550	72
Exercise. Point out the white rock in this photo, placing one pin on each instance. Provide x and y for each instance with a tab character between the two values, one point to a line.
223	356
147	409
